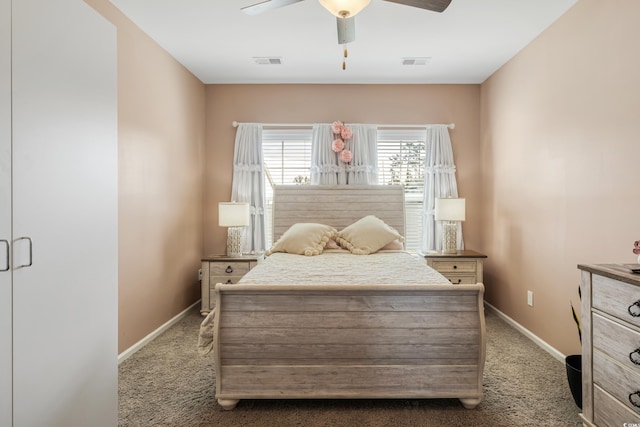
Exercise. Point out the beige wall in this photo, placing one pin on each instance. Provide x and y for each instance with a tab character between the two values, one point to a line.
560	150
386	104
544	149
161	145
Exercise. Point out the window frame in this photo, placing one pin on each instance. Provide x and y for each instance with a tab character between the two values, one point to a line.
282	135
413	199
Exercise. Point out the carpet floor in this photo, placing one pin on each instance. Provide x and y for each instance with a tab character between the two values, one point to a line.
167	383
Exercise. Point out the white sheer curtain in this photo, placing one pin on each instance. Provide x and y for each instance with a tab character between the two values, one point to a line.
327	169
325	166
248	183
363	168
439	182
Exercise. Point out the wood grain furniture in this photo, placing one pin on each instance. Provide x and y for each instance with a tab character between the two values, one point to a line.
461	268
222	269
58	215
345	340
610	345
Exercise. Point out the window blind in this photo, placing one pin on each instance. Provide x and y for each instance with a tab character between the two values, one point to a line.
401	158
287	161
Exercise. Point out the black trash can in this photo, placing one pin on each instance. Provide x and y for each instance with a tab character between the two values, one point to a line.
574	376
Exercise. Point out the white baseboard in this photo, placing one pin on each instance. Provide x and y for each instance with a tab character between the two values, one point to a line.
146	340
533	337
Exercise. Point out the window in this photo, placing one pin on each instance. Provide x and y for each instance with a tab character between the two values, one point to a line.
287	161
401	158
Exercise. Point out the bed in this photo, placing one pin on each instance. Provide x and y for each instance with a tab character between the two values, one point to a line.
339	325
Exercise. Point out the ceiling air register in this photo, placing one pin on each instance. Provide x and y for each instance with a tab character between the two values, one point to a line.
345	11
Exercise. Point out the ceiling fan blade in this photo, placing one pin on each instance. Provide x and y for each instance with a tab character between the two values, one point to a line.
264	6
346	30
432	5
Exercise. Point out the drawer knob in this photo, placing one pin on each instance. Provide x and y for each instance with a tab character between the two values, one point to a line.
634	309
455	267
229	282
229	269
634	356
456	283
634	398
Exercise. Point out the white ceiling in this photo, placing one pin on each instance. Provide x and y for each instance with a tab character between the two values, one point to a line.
466	43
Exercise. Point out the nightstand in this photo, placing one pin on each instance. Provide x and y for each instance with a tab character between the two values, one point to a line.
222	269
461	268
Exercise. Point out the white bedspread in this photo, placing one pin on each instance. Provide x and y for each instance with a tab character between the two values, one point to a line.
342	267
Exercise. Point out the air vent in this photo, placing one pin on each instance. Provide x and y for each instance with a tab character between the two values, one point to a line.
417	60
268	60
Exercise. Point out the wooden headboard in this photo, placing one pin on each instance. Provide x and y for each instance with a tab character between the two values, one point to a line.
336	205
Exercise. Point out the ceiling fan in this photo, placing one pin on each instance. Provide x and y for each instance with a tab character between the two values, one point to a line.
345	10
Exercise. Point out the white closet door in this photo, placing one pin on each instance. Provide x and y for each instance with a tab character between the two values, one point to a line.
65	201
5	213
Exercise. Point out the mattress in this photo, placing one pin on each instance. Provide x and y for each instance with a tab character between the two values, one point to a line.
342	267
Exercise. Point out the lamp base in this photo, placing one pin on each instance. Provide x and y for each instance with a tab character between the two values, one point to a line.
449	237
234	241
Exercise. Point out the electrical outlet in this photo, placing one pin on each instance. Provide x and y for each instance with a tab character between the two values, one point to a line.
530	298
200	274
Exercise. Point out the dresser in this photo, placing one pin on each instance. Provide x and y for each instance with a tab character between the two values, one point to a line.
610	320
461	268
222	269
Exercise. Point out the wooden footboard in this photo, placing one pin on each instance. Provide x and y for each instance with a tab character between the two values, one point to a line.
337	341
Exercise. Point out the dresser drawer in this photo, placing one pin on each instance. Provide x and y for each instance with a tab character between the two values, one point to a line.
210	303
620	343
619	382
608	411
228	280
457	266
228	269
616	298
459	279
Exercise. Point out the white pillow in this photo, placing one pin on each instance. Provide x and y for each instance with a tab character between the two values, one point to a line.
304	238
332	244
367	235
396	245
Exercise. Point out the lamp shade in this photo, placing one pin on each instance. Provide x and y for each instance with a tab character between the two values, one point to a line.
450	209
352	7
232	214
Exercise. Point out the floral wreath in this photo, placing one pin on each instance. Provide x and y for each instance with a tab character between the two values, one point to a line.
341	133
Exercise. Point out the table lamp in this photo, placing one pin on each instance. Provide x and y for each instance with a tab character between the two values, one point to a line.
235	216
450	211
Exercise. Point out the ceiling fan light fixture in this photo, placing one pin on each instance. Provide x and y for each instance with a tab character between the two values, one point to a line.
339	7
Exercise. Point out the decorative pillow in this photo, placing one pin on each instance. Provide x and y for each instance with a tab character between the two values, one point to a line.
332	244
304	238
367	235
396	245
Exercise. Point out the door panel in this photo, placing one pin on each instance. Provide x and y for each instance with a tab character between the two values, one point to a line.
65	201
5	213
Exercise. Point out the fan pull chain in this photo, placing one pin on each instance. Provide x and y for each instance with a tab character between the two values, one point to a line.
344	61
345	32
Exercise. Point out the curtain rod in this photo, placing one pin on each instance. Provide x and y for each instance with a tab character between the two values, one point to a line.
304	125
449	125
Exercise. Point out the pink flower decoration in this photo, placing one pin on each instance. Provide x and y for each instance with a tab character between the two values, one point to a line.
345	156
346	133
337	145
636	247
336	127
